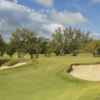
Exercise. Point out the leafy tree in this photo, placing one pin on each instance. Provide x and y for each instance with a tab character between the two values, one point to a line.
33	48
74	40
69	41
93	47
2	46
18	42
36	46
43	42
49	48
43	47
10	50
21	40
58	39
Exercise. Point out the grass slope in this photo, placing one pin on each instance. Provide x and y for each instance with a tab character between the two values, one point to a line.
47	79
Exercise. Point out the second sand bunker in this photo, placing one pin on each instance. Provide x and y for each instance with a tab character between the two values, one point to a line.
86	72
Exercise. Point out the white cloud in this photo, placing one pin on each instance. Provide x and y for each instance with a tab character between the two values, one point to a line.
46	3
95	35
9	9
96	1
51	27
68	18
15	1
14	16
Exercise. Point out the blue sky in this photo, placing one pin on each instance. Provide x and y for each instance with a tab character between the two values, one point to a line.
44	16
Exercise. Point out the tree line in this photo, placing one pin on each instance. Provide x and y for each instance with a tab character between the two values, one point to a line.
63	41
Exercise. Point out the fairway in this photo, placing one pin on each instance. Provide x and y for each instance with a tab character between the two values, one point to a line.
47	79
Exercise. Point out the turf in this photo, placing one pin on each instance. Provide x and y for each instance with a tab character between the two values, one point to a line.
47	79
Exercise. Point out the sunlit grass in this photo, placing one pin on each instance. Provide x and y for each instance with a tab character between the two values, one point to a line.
47	79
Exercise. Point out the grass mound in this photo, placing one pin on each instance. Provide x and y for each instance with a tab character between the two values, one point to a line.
3	61
13	62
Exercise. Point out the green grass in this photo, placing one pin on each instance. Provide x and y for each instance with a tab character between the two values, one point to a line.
13	62
3	61
47	79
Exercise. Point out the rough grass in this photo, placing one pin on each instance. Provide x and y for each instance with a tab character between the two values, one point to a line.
13	62
47	79
3	61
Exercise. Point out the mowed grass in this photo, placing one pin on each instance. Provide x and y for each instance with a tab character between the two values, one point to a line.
47	79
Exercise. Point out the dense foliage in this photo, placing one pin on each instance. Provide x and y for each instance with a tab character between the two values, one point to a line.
2	46
63	41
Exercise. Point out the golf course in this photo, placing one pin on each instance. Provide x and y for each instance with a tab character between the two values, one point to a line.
49	49
47	78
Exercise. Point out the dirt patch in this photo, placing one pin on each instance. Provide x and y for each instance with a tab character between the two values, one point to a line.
16	65
87	72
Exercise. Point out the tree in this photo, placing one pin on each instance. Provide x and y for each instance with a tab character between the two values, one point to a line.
18	42
10	50
2	46
23	40
58	39
74	41
93	47
69	40
49	49
43	42
33	47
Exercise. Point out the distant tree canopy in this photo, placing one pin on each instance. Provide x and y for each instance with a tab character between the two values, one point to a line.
93	47
10	49
63	41
2	46
68	40
25	41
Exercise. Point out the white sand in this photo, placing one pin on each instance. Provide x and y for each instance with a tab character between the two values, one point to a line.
87	72
16	65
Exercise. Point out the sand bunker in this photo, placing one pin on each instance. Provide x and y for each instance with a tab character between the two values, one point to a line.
87	72
16	65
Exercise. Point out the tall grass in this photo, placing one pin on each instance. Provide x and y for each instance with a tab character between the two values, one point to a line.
13	62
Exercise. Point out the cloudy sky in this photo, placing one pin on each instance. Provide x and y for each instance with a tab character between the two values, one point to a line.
44	16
